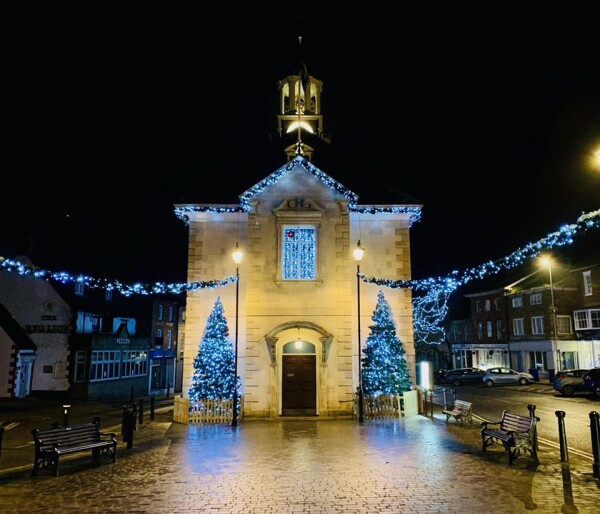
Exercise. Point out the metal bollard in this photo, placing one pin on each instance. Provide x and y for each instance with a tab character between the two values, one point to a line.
562	436
152	402
127	426
431	401
141	411
531	408
133	407
595	430
66	415
445	398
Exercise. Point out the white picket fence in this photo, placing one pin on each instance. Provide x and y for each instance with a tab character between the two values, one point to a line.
221	411
389	406
204	411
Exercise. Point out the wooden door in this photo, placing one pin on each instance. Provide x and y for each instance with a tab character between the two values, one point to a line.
299	385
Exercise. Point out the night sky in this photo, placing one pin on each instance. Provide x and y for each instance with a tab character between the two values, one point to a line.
488	120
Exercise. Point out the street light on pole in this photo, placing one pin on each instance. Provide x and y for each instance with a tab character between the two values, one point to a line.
359	251
237	258
548	262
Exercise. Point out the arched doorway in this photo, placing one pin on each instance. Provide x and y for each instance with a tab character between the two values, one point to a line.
299	379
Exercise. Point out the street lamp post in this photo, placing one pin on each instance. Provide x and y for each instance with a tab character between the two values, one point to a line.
359	251
548	262
237	258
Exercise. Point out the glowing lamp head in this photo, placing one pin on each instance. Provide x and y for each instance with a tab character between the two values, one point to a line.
359	251
237	254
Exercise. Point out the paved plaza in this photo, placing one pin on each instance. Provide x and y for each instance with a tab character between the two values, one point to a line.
417	464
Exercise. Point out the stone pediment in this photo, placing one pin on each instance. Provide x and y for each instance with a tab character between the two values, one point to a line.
298	205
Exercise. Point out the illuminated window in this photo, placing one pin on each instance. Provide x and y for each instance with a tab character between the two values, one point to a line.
161	312
134	364
489	328
499	329
537	325
587	319
79	288
299	253
517	301
105	365
518	327
535	299
563	324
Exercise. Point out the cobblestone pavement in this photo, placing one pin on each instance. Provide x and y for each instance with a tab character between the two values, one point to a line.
417	464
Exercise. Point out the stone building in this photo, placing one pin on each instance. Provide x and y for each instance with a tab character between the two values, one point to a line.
296	317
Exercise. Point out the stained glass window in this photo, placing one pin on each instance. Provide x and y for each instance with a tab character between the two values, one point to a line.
299	253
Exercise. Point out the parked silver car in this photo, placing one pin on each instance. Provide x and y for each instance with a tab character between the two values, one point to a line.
570	381
503	376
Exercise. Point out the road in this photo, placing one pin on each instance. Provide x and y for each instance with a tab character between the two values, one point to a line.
489	402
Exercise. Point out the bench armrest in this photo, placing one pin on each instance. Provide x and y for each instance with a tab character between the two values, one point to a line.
485	424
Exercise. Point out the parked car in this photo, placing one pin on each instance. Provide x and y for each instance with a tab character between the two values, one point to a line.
592	381
461	376
438	375
570	381
502	375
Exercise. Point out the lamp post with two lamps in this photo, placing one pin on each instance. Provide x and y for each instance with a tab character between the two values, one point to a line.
359	251
548	262
237	255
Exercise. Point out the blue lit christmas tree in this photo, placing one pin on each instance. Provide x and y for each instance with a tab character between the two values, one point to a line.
214	365
384	366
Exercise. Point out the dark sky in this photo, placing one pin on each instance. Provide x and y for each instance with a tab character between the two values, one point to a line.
487	119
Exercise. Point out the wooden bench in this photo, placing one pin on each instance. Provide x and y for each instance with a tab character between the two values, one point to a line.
53	442
460	411
518	434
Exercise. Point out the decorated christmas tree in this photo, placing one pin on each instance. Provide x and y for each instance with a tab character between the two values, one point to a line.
384	366
214	366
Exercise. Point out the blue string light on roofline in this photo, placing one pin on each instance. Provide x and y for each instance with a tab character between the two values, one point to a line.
414	211
436	285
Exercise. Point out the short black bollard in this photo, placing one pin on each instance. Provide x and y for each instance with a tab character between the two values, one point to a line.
152	402
562	436
127	426
66	415
531	408
431	394
141	411
595	430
